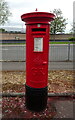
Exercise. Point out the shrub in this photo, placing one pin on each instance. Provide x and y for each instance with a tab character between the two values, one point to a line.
72	39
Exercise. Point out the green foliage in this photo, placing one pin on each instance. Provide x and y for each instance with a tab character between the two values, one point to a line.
2	30
4	12
59	24
72	31
72	39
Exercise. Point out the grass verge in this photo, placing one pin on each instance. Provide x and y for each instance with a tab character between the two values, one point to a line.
51	42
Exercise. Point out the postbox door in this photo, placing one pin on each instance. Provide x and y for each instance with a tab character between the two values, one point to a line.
37	47
38	64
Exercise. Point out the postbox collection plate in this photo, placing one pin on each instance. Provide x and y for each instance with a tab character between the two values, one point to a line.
38	44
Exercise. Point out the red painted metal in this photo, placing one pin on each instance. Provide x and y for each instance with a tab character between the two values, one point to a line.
37	27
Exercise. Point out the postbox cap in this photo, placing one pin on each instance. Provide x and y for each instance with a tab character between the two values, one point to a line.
41	17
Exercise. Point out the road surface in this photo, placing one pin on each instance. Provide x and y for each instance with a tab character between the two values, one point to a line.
11	66
57	52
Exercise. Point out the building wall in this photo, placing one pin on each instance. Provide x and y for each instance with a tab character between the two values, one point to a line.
61	36
22	36
12	36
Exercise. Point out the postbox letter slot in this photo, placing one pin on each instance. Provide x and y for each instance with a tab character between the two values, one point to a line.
38	44
38	29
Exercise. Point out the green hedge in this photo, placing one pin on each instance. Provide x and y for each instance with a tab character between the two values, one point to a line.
72	39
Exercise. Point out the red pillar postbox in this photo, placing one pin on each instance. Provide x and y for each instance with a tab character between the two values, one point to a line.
37	46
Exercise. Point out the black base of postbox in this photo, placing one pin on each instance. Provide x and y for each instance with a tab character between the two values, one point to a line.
36	98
